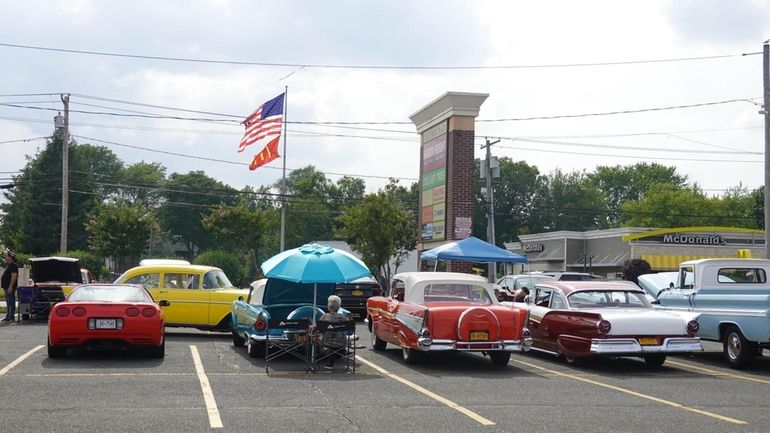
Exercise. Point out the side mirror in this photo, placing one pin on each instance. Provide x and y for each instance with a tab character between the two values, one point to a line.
164	303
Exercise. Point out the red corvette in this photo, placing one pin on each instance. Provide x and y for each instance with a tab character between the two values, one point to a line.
440	311
106	315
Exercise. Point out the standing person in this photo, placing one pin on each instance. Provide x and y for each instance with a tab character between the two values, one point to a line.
9	283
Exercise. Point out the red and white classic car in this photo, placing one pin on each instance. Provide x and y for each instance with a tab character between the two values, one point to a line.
577	319
435	311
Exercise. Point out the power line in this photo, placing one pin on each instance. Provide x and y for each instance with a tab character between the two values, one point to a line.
646	148
21	140
341	66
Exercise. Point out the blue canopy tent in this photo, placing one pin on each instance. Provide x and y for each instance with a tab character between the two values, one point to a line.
472	250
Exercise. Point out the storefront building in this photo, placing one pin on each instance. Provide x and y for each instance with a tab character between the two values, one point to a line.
603	252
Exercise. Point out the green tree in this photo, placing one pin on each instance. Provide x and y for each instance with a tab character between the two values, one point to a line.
758	207
670	206
141	182
567	201
224	260
238	226
119	230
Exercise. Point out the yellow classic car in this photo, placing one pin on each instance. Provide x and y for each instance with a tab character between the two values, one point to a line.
198	296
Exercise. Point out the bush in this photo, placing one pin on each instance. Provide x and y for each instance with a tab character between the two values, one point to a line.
88	260
228	262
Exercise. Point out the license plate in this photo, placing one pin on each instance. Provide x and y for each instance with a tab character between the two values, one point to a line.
479	335
648	341
300	338
357	293
106	324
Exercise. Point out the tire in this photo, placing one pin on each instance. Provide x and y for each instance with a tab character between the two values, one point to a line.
654	361
159	351
255	349
411	356
25	316
377	344
572	360
238	341
56	351
738	351
500	359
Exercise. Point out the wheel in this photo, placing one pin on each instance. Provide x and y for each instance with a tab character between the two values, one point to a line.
377	344
238	341
572	360
654	361
500	359
255	349
411	356
159	351
738	351
56	351
25	316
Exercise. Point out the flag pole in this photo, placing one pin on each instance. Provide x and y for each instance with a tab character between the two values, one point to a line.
283	177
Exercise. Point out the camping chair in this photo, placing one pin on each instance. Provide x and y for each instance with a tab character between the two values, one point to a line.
293	340
336	341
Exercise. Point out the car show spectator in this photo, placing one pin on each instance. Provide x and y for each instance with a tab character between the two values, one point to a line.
521	294
9	284
333	340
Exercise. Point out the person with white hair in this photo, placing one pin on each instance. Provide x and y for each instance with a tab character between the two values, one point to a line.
333	339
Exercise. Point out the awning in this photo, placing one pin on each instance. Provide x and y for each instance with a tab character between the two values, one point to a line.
671	263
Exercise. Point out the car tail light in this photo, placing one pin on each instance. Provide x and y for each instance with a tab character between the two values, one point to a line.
79	311
525	334
603	326
148	312
425	319
132	311
62	311
693	327
260	323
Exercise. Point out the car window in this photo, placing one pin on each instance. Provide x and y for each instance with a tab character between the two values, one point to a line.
607	298
742	275
149	281
557	301
543	297
216	279
109	294
179	280
456	292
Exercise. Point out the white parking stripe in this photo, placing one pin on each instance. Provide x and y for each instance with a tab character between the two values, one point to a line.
467	412
18	360
208	395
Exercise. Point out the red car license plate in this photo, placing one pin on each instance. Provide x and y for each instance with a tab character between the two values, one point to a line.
648	341
106	324
479	335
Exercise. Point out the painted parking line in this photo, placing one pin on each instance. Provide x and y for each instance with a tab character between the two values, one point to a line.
215	421
18	360
718	373
467	412
634	393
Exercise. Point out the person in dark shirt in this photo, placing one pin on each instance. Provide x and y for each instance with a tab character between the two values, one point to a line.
10	281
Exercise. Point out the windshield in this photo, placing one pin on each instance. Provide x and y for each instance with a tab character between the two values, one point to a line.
530	281
109	294
608	298
216	280
450	292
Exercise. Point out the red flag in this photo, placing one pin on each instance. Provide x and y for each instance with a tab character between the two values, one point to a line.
269	153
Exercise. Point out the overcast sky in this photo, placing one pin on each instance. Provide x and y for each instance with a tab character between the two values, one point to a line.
717	146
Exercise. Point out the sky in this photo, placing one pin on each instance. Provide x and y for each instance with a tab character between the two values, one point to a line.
717	146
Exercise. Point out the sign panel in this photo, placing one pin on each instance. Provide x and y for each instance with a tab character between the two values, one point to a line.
463	227
433	183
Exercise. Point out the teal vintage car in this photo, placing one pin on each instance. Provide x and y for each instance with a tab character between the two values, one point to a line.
276	299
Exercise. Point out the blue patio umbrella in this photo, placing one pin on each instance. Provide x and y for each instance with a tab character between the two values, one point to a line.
314	263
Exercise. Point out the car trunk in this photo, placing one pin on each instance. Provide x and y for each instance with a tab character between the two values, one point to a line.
51	273
468	322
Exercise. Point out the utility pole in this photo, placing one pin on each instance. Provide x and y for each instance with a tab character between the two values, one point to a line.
65	168
766	111
487	172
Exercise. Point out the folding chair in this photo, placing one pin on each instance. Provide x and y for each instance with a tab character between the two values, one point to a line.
337	342
293	339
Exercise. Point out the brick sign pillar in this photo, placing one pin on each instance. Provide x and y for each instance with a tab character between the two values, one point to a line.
447	131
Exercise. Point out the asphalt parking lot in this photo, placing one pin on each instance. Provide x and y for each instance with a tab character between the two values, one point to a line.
205	384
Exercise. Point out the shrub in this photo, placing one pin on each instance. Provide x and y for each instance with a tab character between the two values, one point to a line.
228	262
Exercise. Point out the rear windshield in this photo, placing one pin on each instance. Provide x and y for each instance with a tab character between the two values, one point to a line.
742	275
109	294
216	280
607	298
456	292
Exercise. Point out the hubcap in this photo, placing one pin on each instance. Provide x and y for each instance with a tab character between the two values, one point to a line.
733	346
405	352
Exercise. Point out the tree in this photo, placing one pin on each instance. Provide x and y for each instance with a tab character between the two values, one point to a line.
309	217
119	230
141	182
758	207
567	202
187	199
242	228
620	184
669	206
633	268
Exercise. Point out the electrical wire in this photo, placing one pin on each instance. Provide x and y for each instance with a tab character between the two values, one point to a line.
22	140
640	148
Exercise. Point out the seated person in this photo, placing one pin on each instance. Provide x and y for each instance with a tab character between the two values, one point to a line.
333	340
499	294
521	294
398	291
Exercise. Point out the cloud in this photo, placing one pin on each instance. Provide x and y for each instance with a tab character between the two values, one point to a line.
725	23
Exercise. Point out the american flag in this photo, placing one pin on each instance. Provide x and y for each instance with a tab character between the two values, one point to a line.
263	123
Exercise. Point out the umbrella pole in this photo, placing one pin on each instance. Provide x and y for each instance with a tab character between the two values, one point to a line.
312	343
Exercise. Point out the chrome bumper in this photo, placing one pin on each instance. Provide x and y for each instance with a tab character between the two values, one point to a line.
429	345
629	345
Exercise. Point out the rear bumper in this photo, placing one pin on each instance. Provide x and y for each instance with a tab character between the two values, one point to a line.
108	339
431	345
618	346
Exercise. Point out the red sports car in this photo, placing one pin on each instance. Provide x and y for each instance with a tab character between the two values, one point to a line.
439	311
106	315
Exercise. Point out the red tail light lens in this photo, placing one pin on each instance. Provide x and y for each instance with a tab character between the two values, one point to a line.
62	311
79	311
525	334
132	311
693	327
260	324
148	312
603	326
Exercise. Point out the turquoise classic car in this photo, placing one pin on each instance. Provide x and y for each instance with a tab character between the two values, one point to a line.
275	299
733	299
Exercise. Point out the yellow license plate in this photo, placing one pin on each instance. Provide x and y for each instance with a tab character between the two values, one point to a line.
479	335
648	341
357	293
301	338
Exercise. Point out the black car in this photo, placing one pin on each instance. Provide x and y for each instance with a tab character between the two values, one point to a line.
355	294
